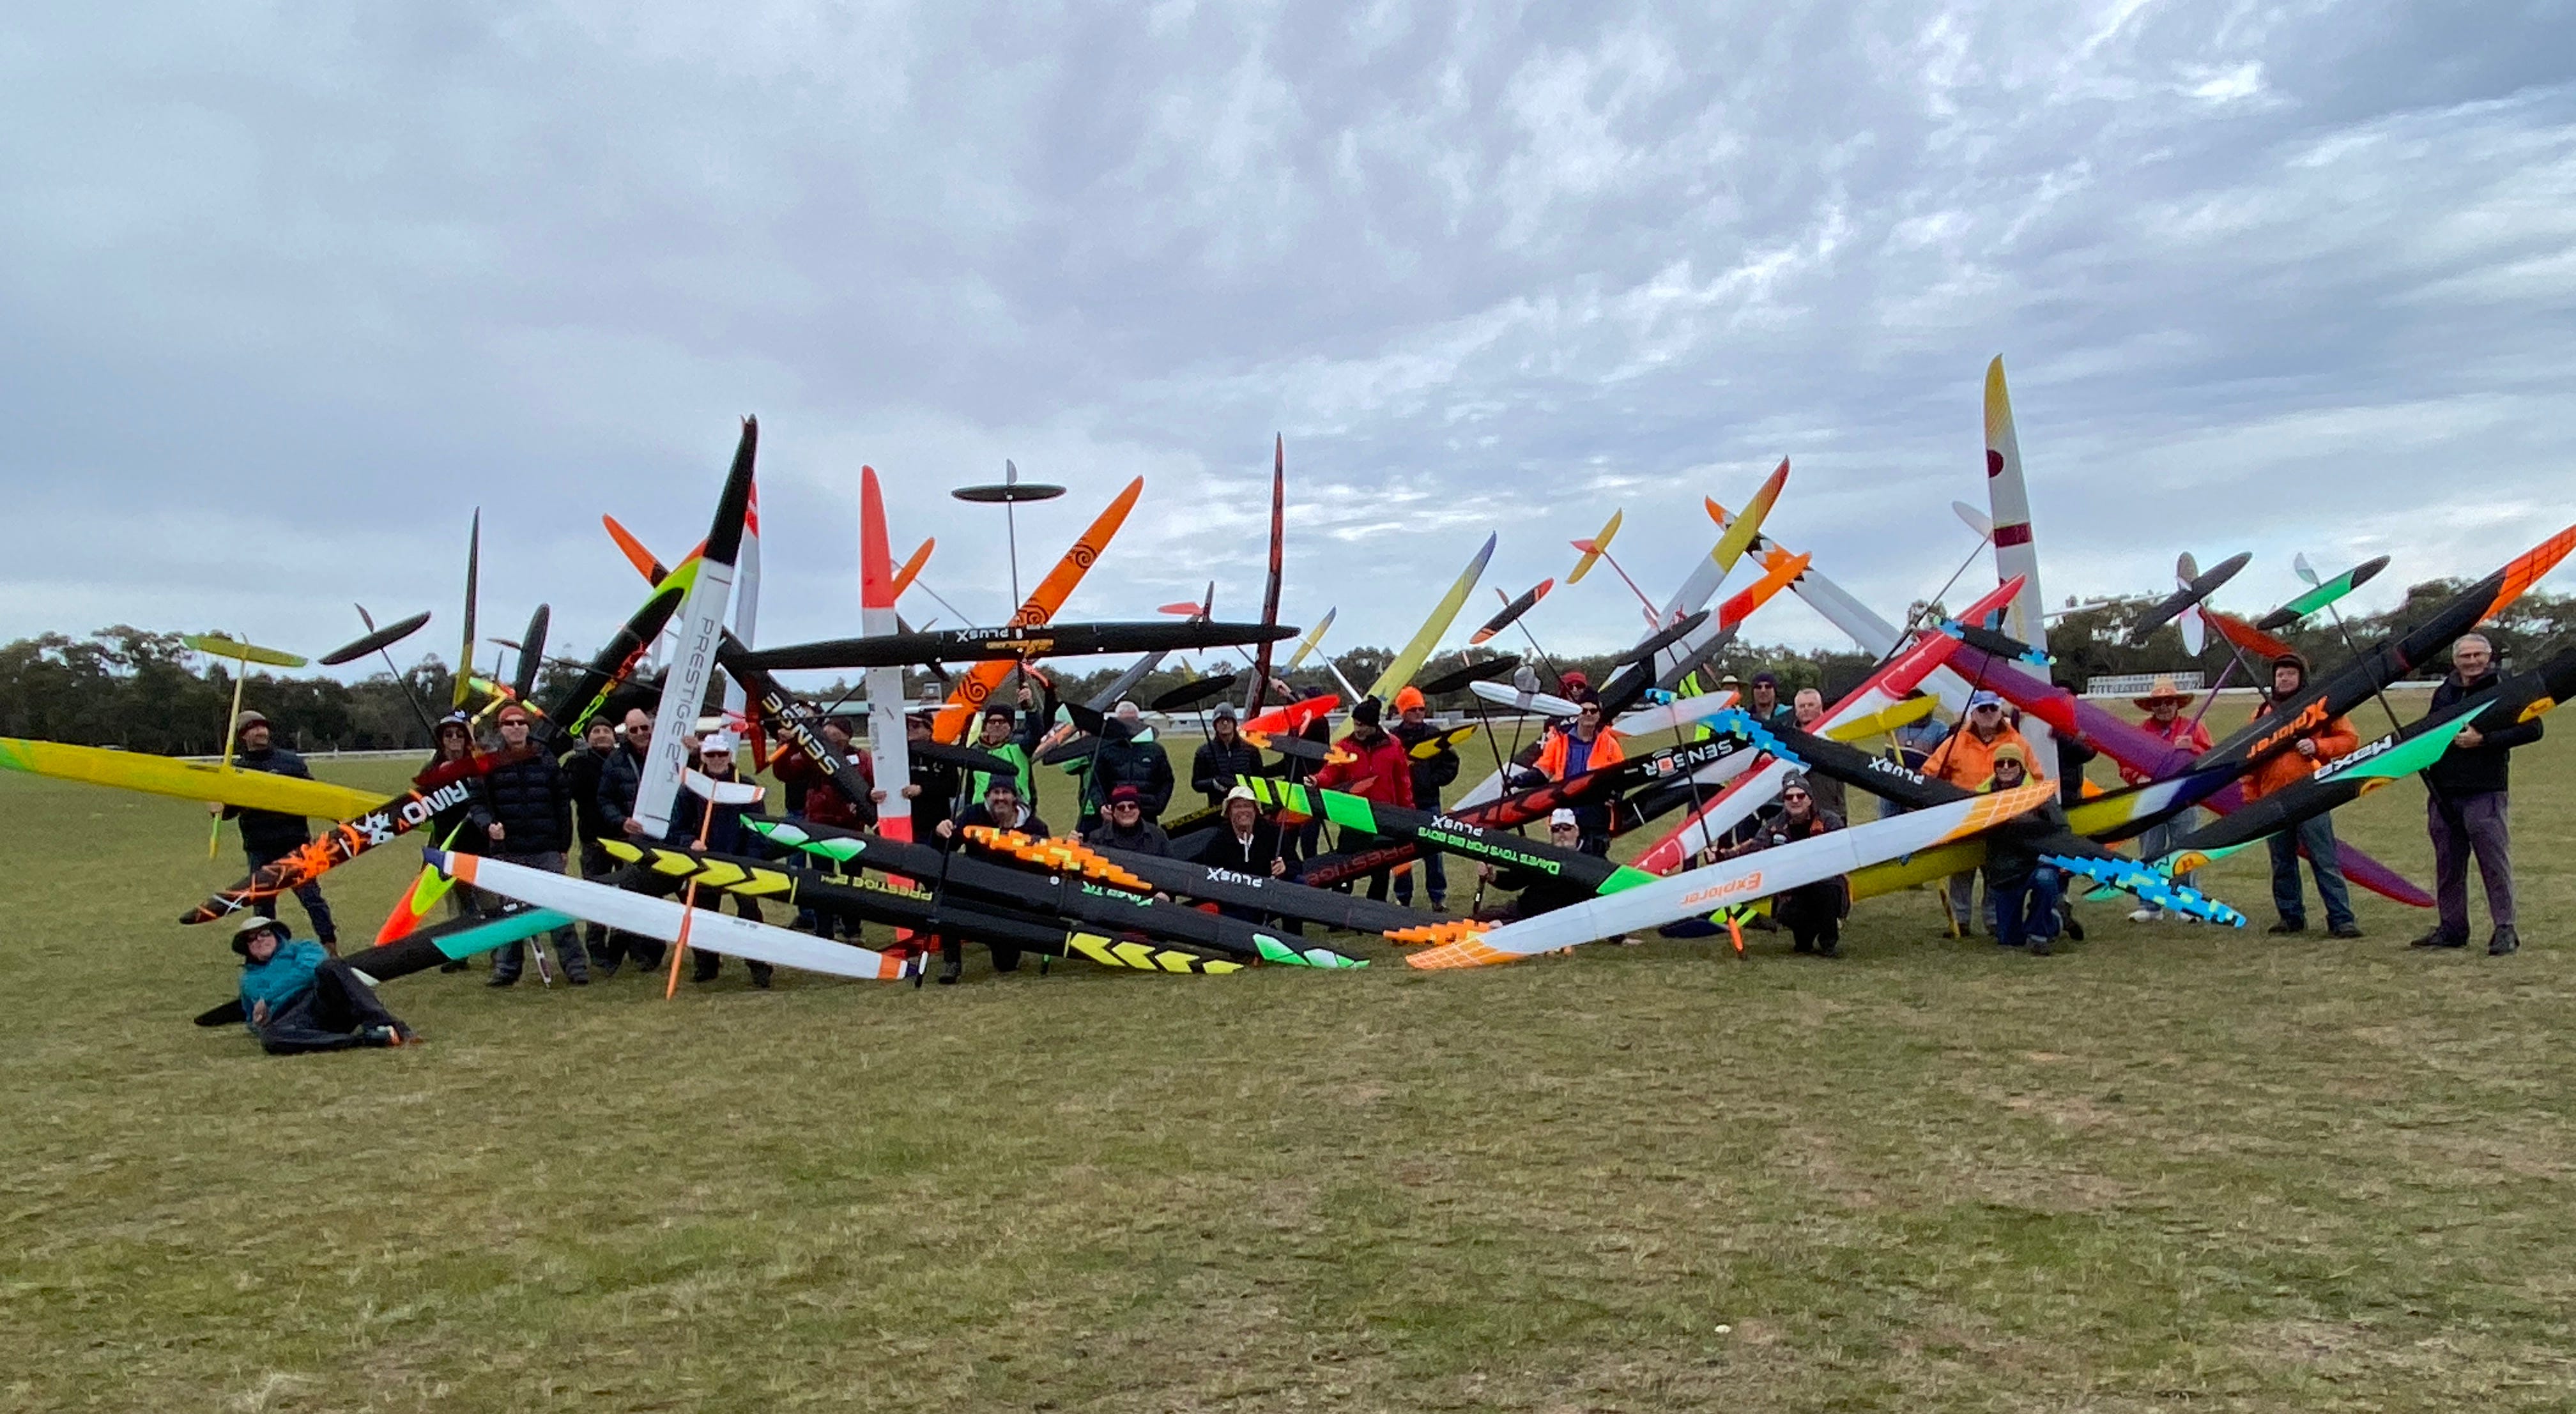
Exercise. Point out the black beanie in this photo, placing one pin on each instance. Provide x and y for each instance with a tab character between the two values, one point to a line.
1366	713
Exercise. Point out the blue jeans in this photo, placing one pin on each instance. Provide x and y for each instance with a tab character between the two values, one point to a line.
2318	835
2028	910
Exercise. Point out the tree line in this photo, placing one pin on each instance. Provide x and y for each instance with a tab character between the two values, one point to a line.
144	691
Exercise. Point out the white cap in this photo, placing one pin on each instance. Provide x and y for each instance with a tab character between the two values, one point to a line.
1559	817
1241	792
716	741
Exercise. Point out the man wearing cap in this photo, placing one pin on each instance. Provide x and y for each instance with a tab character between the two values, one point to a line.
1225	760
1584	745
1967	760
1573	686
523	812
1431	773
297	999
1813	913
2021	887
1378	770
1001	809
2464	808
1125	826
1766	706
2188	738
1541	891
268	836
721	824
933	788
1003	736
2316	746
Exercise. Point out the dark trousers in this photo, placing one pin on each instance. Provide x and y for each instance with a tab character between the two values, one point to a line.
2318	836
1360	841
2471	824
341	1012
642	879
1435	881
308	894
952	952
1813	914
2026	912
598	868
511	957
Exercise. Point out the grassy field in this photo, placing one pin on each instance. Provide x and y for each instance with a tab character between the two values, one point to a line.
2174	1167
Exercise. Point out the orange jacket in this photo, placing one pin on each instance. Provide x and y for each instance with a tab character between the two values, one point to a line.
1605	752
1968	763
2335	738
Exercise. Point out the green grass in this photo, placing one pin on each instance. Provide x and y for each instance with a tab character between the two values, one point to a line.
2173	1168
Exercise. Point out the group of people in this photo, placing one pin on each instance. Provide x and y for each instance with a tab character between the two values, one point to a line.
548	810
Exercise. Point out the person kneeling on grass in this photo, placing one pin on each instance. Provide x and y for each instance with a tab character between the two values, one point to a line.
2023	886
1813	913
1541	891
297	998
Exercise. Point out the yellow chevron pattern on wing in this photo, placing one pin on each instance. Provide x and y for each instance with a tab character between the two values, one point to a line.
1142	958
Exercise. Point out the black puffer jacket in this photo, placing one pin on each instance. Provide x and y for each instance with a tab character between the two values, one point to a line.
1218	766
531	801
619	781
1432	775
265	832
583	767
2476	770
1121	760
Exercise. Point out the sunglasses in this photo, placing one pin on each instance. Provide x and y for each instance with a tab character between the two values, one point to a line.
1793	795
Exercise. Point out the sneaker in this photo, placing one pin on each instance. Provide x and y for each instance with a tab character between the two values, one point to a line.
502	980
2039	947
2145	915
2438	939
2505	940
2074	928
382	1036
1827	947
452	965
2286	926
2344	930
607	970
1802	945
949	971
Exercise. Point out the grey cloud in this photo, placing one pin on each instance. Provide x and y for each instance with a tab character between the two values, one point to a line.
309	285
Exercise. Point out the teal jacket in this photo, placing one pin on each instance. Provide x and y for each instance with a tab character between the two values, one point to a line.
282	980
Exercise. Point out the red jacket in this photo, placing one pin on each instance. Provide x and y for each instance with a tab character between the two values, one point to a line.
824	803
1384	766
2182	731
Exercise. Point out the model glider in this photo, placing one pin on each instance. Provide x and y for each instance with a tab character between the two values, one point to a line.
1593	549
1408	661
375	641
1510	612
2320	592
2194	591
701	618
978	682
1759	875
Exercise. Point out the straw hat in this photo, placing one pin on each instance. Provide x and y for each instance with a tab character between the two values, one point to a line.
2161	690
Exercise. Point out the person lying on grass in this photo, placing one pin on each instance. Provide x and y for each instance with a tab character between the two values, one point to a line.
297	998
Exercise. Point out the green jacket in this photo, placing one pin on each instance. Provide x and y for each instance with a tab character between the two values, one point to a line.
280	981
1013	752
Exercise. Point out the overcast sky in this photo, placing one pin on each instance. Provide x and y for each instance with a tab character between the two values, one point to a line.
285	292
